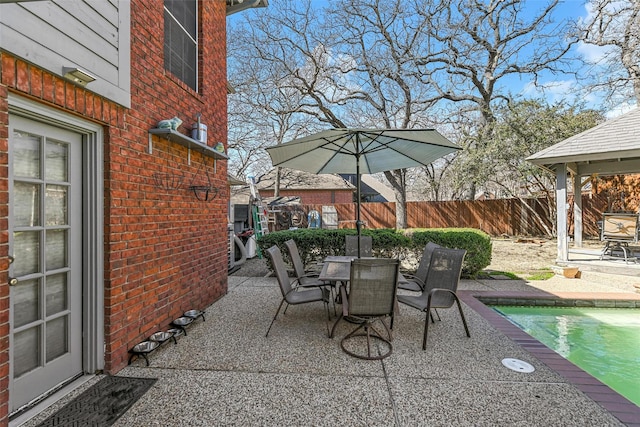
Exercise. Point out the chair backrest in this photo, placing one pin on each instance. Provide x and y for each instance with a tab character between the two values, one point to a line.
619	227
296	260
373	287
280	269
444	272
425	261
351	246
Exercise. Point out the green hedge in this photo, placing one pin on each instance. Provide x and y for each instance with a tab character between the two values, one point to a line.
476	242
316	244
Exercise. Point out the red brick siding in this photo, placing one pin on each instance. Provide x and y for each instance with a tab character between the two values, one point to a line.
165	251
311	197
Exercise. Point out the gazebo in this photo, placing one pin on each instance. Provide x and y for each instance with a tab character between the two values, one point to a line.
611	148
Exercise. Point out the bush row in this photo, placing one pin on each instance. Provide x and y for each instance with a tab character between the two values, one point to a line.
407	245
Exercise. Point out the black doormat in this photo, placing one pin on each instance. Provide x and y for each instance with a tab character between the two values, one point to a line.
102	403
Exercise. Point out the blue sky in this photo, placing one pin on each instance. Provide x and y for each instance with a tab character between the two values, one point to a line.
556	87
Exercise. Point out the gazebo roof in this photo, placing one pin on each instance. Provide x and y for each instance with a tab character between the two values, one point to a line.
612	147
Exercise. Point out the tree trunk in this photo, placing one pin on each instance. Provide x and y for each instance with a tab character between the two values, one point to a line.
276	185
397	179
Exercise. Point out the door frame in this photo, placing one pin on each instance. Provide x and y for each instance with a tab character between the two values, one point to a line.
92	221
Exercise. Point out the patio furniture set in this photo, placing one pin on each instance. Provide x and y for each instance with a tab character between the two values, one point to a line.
367	289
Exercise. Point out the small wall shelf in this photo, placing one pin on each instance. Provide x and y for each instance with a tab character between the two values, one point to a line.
190	143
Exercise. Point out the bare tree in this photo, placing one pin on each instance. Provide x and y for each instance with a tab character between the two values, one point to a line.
351	66
615	26
475	45
262	109
391	63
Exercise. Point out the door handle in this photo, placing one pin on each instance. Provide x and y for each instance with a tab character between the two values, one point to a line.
13	281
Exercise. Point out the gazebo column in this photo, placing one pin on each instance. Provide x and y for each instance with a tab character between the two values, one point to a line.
561	211
577	211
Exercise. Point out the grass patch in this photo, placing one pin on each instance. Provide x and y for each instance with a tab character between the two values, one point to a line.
541	275
489	275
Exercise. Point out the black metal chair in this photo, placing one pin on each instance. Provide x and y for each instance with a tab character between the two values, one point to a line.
290	291
440	287
371	298
351	246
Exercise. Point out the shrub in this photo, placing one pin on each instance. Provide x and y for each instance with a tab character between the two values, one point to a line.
476	242
316	244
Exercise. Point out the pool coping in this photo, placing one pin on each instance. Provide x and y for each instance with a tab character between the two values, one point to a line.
619	406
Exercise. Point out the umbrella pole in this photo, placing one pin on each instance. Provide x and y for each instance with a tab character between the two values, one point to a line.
358	222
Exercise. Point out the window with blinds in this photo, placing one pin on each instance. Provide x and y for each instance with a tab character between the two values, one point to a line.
181	40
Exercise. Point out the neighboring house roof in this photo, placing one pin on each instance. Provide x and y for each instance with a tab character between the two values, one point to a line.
291	179
232	180
385	192
605	147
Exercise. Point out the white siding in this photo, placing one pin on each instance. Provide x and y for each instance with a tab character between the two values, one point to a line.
93	35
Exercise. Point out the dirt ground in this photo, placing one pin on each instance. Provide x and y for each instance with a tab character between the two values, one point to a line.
521	256
526	256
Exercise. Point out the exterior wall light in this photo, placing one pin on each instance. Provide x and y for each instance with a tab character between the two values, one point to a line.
77	75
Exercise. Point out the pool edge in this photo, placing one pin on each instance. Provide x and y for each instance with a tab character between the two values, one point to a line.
617	405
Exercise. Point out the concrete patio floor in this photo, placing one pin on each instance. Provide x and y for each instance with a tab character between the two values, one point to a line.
225	372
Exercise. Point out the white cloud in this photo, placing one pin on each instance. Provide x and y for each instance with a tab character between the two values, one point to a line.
592	53
554	91
619	109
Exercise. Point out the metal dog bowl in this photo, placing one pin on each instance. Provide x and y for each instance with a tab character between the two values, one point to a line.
194	314
182	321
145	347
160	336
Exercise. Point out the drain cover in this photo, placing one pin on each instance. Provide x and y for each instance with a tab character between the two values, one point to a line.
518	365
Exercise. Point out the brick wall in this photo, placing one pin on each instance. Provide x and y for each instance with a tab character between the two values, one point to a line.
165	251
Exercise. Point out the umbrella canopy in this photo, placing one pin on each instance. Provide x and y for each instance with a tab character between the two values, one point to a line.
359	151
338	150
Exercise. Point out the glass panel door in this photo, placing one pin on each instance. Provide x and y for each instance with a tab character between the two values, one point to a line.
45	242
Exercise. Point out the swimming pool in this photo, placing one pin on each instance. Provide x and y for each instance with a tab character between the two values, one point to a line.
605	342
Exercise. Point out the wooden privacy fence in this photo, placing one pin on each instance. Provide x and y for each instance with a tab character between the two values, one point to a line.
495	217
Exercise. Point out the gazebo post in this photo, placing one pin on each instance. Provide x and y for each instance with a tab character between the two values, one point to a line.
577	211
561	211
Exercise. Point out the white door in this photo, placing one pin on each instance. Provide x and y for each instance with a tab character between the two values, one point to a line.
45	239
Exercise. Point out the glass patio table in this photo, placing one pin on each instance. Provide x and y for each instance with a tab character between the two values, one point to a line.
338	269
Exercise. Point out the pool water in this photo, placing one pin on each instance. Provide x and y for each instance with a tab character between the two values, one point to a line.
605	342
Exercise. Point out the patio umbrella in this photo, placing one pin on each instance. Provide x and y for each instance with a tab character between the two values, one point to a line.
358	151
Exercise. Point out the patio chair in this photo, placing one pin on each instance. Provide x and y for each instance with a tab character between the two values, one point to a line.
371	298
290	291
416	282
440	287
305	278
351	246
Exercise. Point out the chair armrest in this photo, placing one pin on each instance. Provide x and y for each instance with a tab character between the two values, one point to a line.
434	290
414	278
295	284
